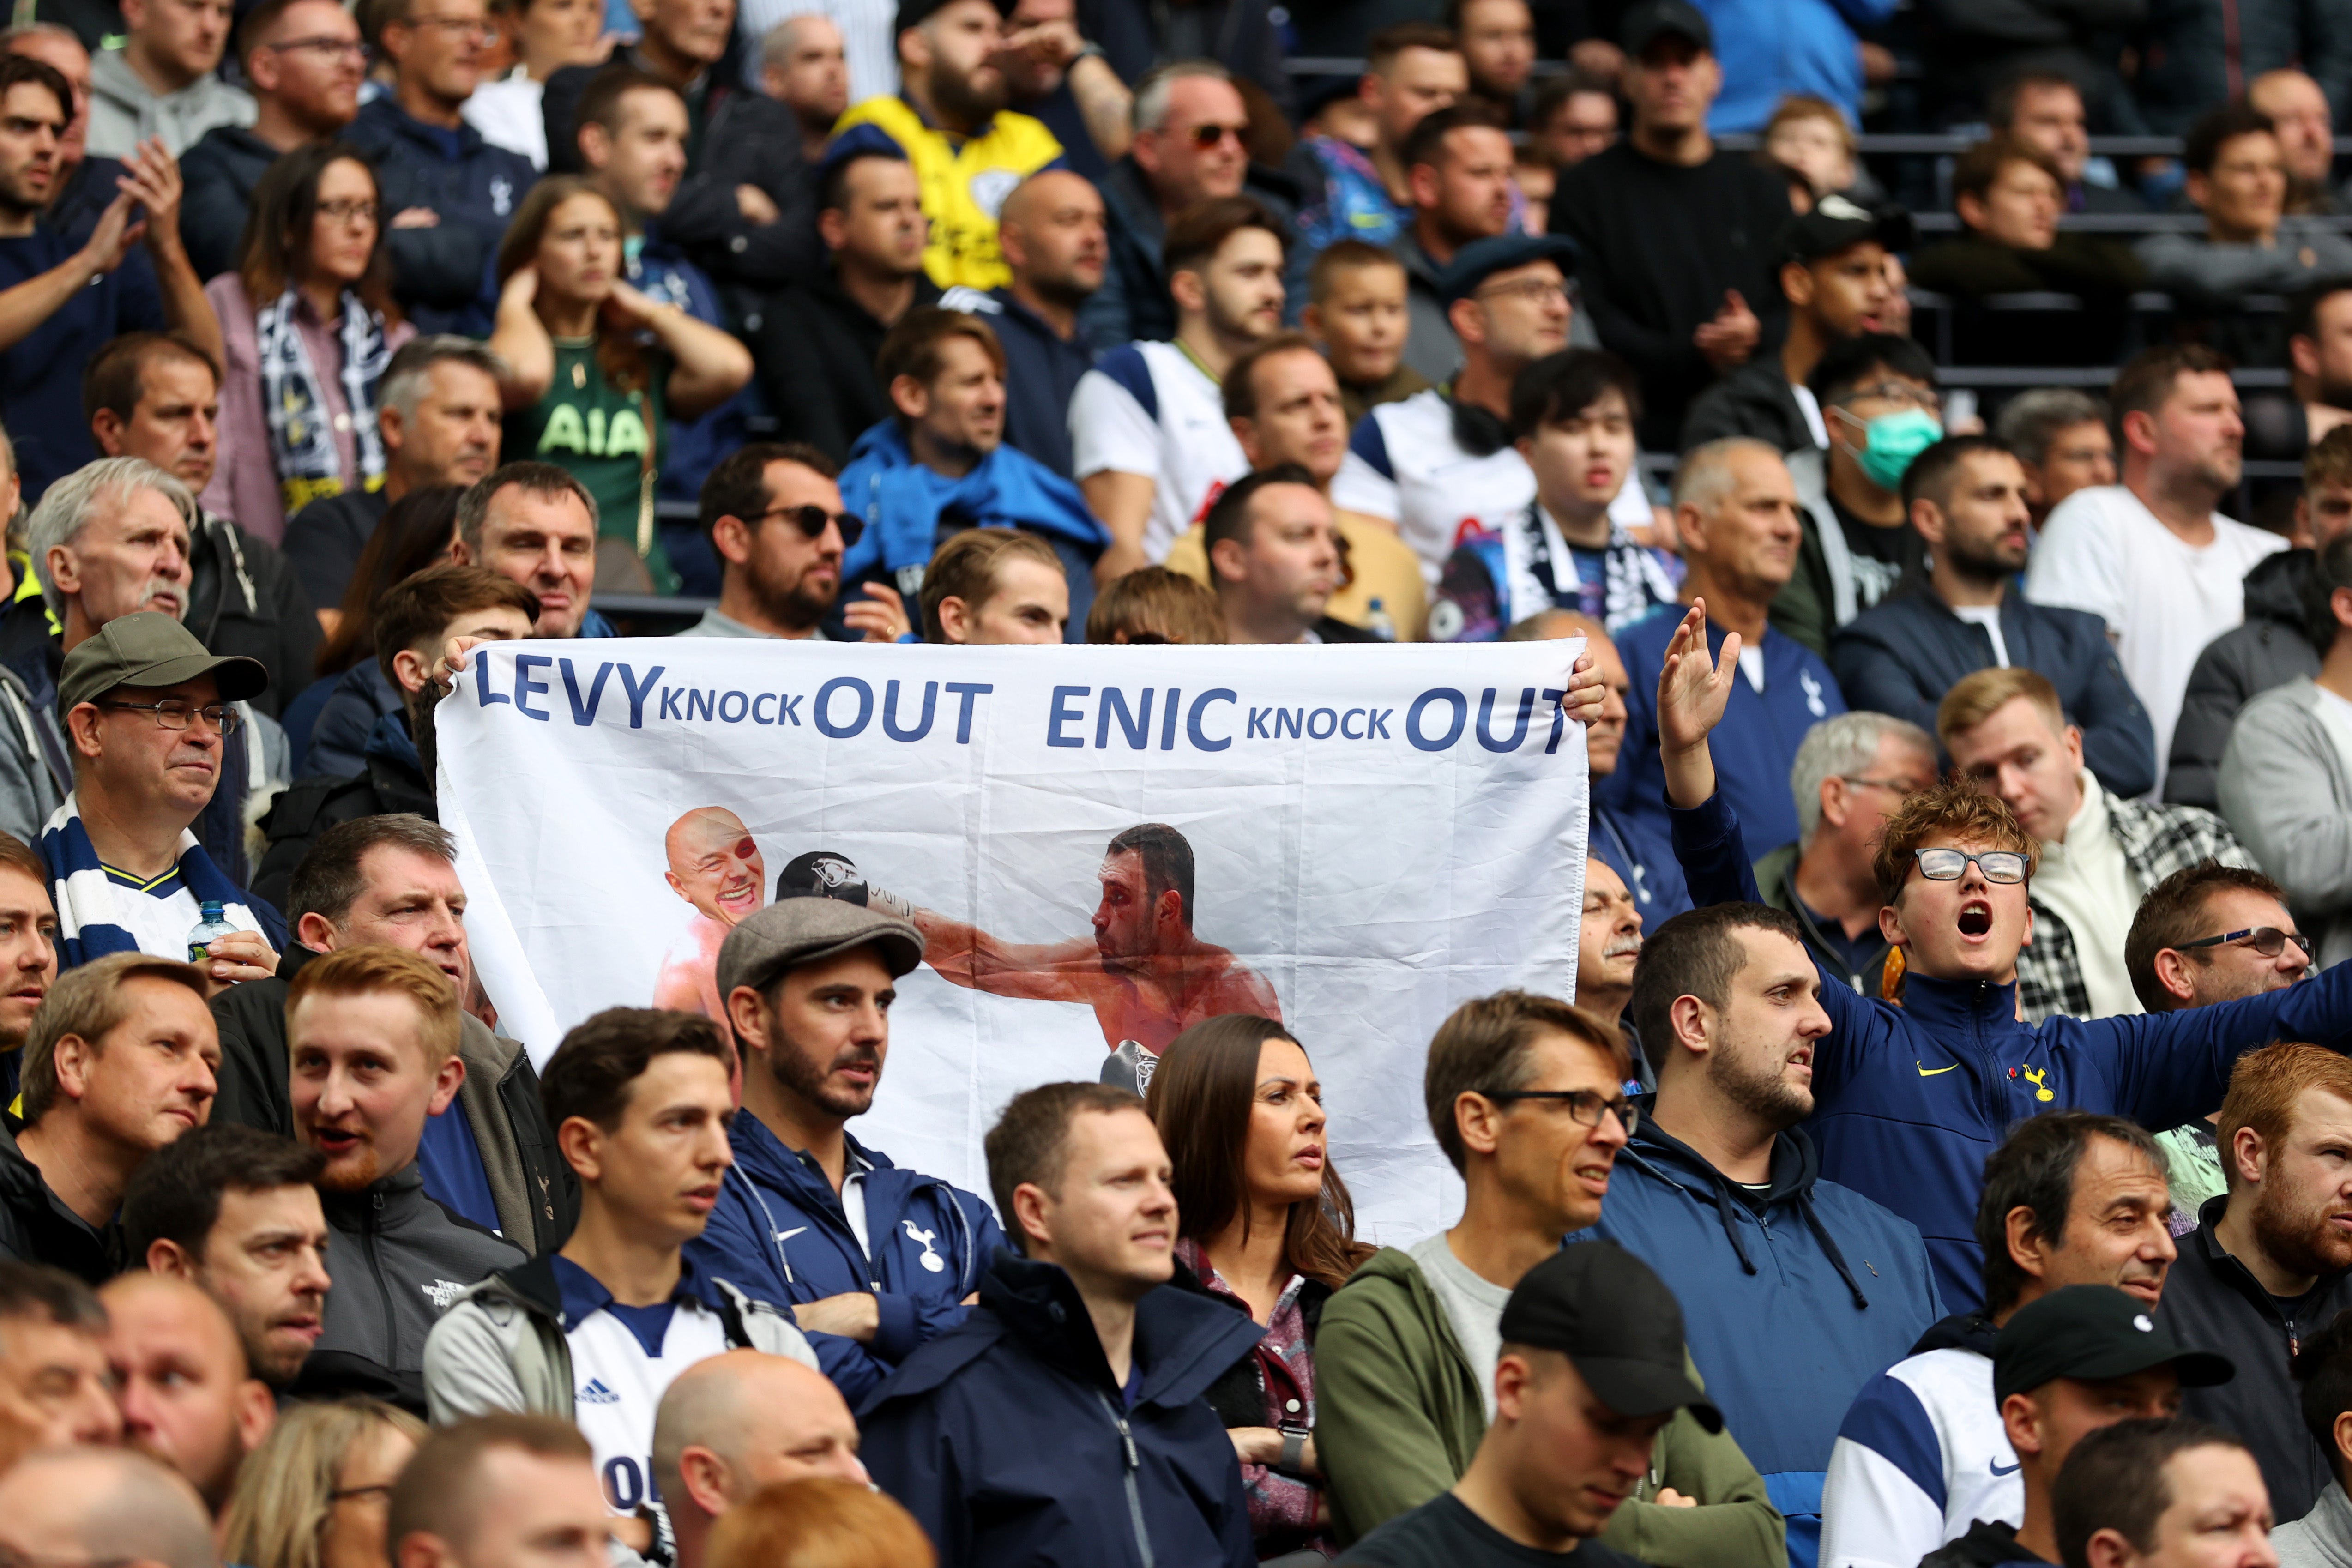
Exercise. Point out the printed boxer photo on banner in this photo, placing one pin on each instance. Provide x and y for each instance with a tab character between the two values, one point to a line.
715	866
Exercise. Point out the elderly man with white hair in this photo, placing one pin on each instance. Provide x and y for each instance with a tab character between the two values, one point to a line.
111	539
1849	774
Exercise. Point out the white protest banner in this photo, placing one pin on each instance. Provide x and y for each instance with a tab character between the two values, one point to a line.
1371	835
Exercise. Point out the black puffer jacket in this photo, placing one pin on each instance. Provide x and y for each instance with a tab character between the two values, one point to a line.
244	599
2270	649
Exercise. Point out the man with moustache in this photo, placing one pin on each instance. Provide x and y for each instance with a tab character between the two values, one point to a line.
373	1033
596	1331
1720	1190
715	866
1608	949
2270	1263
873	1261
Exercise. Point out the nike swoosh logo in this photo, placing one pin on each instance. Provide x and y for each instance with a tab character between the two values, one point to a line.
788	1235
1931	1072
1999	1471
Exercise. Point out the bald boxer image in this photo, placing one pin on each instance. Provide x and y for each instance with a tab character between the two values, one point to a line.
1143	971
716	867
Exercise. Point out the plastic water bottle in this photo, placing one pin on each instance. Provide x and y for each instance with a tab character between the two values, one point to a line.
1380	622
209	929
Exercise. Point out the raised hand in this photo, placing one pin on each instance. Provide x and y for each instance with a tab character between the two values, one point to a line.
151	176
1692	691
114	235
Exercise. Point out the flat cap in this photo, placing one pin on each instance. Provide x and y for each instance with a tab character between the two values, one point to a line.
796	931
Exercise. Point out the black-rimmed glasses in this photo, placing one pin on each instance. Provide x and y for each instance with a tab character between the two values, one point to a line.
1584	1105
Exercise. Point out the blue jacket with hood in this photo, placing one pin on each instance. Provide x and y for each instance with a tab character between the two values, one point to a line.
1793	1299
1012	1444
1908	1101
780	1232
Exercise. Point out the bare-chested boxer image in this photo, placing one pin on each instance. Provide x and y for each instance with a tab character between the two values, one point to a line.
1143	971
715	866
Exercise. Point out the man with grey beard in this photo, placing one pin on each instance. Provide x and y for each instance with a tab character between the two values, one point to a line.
1718	1189
2270	1263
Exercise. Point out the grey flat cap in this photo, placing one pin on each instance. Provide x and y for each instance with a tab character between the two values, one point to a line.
800	930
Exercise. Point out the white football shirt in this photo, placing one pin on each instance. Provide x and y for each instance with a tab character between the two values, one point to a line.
1146	408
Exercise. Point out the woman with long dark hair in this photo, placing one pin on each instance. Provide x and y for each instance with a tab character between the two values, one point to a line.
1266	1226
596	369
308	324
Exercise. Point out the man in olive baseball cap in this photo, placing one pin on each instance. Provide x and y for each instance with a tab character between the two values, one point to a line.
2066	1365
148	715
873	1258
1593	1370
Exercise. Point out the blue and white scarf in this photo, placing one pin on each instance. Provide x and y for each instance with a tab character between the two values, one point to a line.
302	432
97	915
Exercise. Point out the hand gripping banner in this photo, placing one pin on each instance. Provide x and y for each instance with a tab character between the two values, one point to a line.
1102	846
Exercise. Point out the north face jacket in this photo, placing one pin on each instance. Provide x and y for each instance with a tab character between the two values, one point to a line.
1794	1299
1011	1444
780	1232
398	1260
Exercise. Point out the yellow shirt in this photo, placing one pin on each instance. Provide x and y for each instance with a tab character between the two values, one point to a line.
964	182
1384	568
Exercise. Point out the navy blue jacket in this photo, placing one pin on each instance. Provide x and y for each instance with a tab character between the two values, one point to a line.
1011	1442
441	274
1754	745
1908	1101
1901	655
1643	862
1792	1304
780	1232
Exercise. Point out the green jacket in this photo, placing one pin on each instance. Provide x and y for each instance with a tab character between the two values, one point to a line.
1399	1412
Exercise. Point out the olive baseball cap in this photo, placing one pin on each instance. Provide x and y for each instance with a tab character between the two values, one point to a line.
793	932
1609	1313
2092	1332
151	648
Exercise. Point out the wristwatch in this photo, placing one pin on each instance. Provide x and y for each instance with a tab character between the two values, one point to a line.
1294	1452
1088	50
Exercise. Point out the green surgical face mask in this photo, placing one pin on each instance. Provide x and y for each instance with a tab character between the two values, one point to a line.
1891	441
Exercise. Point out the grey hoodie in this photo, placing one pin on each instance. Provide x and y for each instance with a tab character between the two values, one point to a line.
2320	1539
30	791
125	111
2286	792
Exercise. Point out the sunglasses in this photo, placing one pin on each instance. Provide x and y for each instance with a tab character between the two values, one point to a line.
810	520
2003	865
1207	136
2268	940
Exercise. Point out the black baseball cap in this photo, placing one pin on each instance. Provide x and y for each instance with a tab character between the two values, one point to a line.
1609	1314
1838	221
1650	20
2092	1332
1482	259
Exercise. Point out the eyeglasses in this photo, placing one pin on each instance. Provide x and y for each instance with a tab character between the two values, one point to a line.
380	1492
810	520
335	48
2268	940
346	209
1892	786
2003	865
1901	392
1584	1105
1534	290
1207	136
481	30
172	713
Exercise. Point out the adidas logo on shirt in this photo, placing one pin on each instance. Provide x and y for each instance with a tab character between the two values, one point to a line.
596	1392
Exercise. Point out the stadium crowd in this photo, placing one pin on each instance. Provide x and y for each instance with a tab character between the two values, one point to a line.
1945	1155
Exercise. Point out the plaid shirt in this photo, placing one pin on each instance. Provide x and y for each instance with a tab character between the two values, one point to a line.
2156	841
